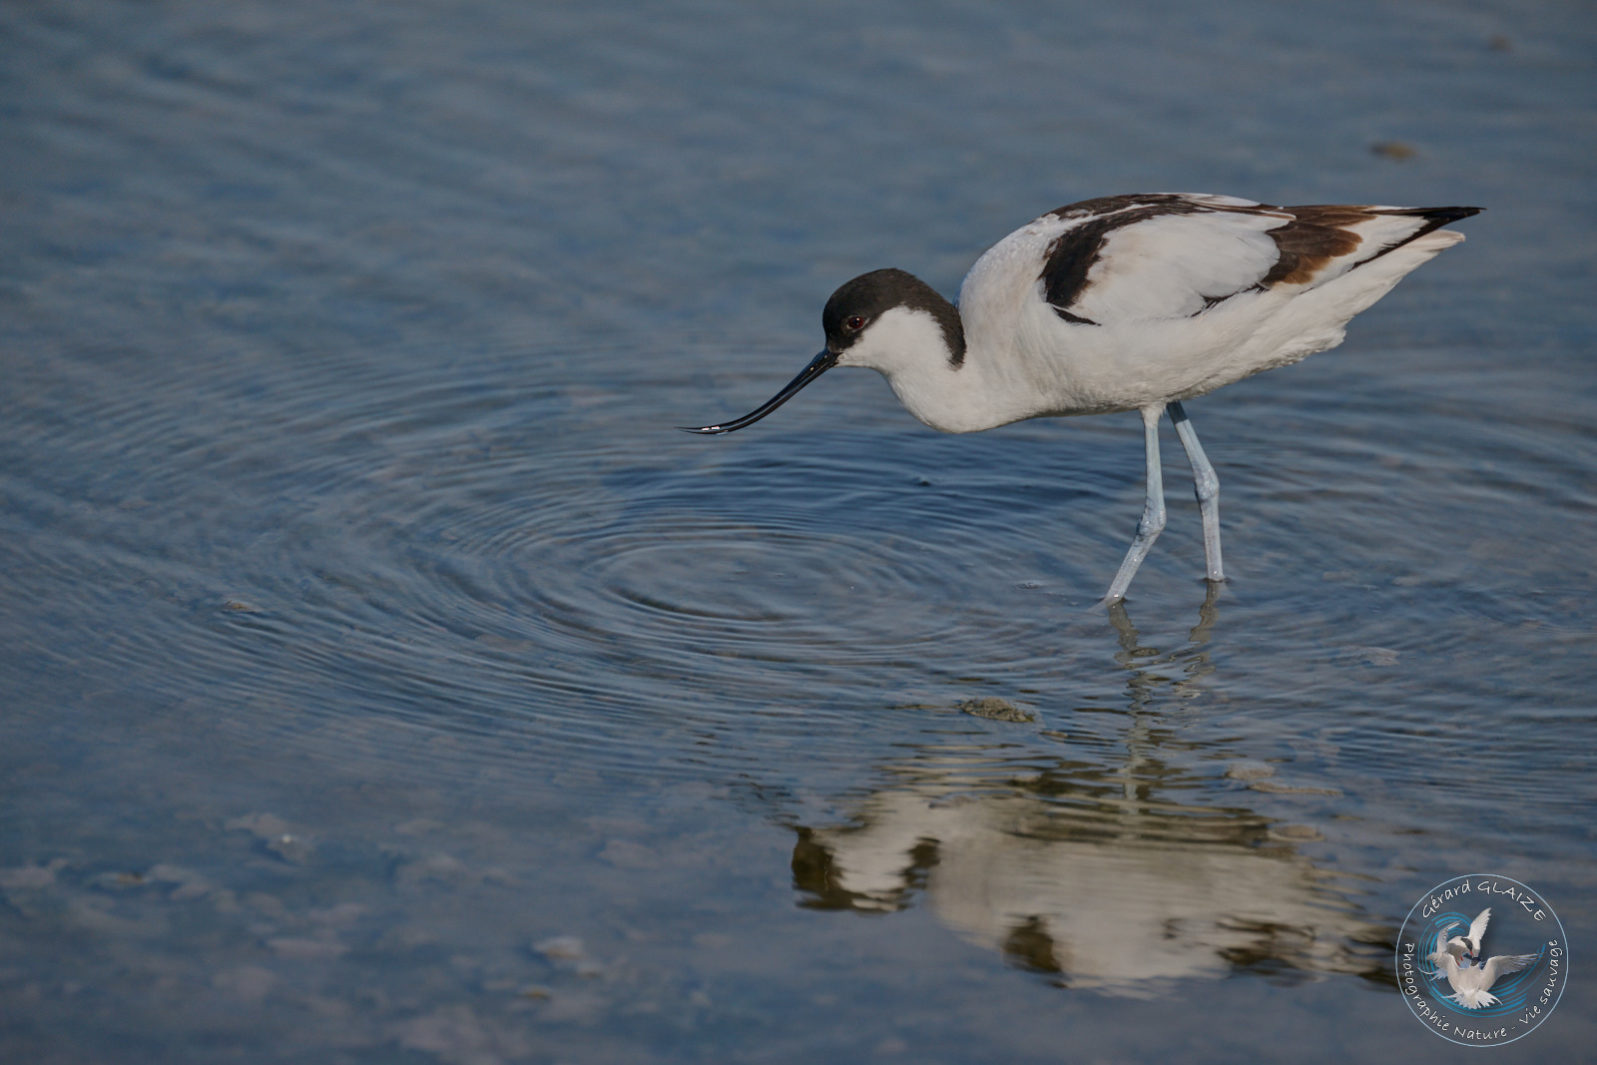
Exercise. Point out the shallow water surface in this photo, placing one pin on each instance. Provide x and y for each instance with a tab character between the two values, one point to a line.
386	679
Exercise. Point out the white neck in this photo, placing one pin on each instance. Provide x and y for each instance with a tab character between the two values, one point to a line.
908	347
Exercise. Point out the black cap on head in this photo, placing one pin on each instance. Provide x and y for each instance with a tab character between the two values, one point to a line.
858	303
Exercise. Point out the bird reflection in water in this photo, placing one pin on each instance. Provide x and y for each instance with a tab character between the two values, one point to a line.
1145	665
1105	869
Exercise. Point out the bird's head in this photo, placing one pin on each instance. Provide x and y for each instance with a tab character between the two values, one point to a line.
886	320
889	320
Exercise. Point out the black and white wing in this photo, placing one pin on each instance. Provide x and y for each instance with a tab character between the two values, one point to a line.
1173	255
1442	953
1503	964
1477	929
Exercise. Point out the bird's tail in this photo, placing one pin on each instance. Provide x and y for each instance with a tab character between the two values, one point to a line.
1434	218
1474	998
1416	231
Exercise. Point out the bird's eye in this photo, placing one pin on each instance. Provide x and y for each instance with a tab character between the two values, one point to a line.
854	323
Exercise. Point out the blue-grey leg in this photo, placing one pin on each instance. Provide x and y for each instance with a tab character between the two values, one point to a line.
1152	522
1207	488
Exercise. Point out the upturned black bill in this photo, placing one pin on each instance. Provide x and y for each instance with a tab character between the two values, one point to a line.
818	365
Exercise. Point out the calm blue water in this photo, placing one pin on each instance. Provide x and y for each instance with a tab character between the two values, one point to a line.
385	680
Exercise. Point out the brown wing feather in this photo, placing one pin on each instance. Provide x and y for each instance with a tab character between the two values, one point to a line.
1318	234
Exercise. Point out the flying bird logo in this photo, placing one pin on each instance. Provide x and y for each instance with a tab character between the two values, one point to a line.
1458	958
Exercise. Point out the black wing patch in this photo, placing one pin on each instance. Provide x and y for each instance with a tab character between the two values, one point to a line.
1074	253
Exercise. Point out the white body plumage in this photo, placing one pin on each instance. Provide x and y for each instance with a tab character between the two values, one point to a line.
1153	335
1125	303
